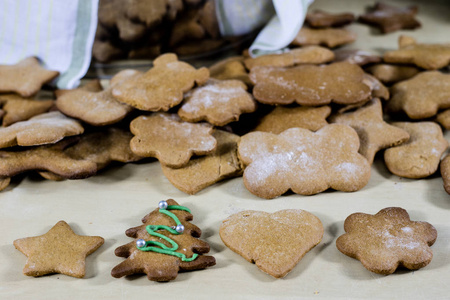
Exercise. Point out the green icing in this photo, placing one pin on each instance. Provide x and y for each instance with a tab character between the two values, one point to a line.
159	247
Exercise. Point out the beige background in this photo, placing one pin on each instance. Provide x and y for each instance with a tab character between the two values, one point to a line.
116	199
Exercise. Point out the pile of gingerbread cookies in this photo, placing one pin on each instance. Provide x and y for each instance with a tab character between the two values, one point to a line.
306	120
142	29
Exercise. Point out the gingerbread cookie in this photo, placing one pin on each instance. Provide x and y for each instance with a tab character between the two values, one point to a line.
421	96
303	161
320	18
4	182
445	172
187	28
304	55
230	68
17	108
374	133
355	56
104	51
329	37
60	250
282	118
390	18
392	73
420	156
378	89
341	83
275	242
444	119
387	240
95	108
46	128
218	102
161	87
169	139
427	56
206	170
48	157
166	244
25	78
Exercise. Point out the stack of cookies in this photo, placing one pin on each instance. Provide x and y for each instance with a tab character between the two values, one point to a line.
145	29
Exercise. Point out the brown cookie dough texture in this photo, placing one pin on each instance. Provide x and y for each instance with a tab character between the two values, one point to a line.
275	242
50	158
374	133
303	161
392	73
420	156
24	78
421	96
444	118
46	128
217	102
387	240
204	171
163	267
169	139
329	37
304	55
426	56
342	83
161	87
16	108
60	250
320	18
355	56
390	18
230	68
282	118
4	182
445	172
98	108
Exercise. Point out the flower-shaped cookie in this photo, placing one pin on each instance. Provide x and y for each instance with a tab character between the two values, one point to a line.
420	156
161	87
387	240
341	82
217	102
169	139
421	96
303	161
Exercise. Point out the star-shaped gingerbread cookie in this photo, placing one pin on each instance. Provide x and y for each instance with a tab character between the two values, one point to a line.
427	56
374	133
387	240
390	18
25	78
60	250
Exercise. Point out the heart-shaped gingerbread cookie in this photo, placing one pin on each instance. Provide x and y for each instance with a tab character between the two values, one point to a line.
275	242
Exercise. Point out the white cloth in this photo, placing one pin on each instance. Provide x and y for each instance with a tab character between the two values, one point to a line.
58	32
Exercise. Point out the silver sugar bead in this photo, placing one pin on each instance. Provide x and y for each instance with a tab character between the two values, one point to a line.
179	228
140	243
162	204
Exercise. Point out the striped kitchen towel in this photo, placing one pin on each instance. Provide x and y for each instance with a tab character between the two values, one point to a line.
59	33
237	17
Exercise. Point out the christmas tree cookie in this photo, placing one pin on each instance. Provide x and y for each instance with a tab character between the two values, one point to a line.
164	245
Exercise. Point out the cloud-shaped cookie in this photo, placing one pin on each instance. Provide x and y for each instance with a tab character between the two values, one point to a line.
386	240
341	82
303	161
